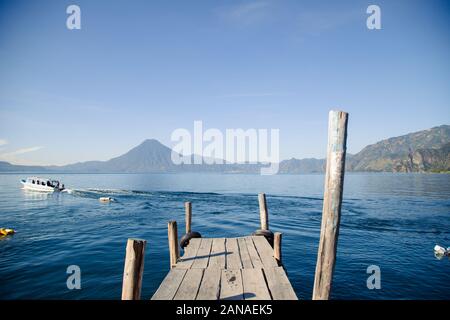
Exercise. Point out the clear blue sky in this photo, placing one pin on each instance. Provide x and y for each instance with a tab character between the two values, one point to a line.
140	69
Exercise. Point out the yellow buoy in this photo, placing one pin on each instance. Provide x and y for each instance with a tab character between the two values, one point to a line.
6	232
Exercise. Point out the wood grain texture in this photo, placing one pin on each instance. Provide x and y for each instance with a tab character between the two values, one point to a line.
173	243
279	285
254	256
218	273
218	254
189	286
245	256
254	285
263	213
277	237
231	285
169	287
233	255
331	214
265	251
203	253
210	285
188	209
133	269
190	254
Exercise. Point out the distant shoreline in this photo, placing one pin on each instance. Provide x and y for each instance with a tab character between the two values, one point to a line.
215	173
426	151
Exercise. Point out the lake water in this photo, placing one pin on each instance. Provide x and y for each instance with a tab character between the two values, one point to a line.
389	220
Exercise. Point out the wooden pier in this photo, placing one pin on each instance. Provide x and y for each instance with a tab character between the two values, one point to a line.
227	269
244	268
248	267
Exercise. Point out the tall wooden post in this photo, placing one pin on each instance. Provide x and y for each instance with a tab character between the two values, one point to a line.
331	214
263	213
133	270
188	208
277	246
173	243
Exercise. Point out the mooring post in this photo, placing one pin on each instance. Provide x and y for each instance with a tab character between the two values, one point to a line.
173	243
331	214
277	246
188	208
263	213
133	270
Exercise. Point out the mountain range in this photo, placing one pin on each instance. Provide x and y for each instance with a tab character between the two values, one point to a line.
422	151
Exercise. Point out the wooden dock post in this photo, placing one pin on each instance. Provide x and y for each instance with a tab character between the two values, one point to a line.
277	246
173	243
331	214
263	213
188	208
133	270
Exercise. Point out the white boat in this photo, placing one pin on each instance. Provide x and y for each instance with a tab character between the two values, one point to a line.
42	184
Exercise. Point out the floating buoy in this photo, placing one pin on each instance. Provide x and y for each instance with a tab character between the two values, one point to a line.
6	232
440	252
106	199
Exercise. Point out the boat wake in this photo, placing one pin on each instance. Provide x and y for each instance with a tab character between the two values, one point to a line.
97	193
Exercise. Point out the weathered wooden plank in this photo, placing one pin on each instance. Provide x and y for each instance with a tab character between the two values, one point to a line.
277	247
231	285
254	285
279	285
217	257
210	285
265	251
202	258
190	253
233	256
222	269
189	286
133	270
263	213
254	256
174	251
168	288
332	201
188	209
245	256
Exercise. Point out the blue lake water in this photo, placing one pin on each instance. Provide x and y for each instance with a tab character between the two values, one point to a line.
389	220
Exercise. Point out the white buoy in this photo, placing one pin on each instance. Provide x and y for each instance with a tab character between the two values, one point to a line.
439	250
106	199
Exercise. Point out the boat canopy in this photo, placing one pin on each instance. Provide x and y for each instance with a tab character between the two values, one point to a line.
43	181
